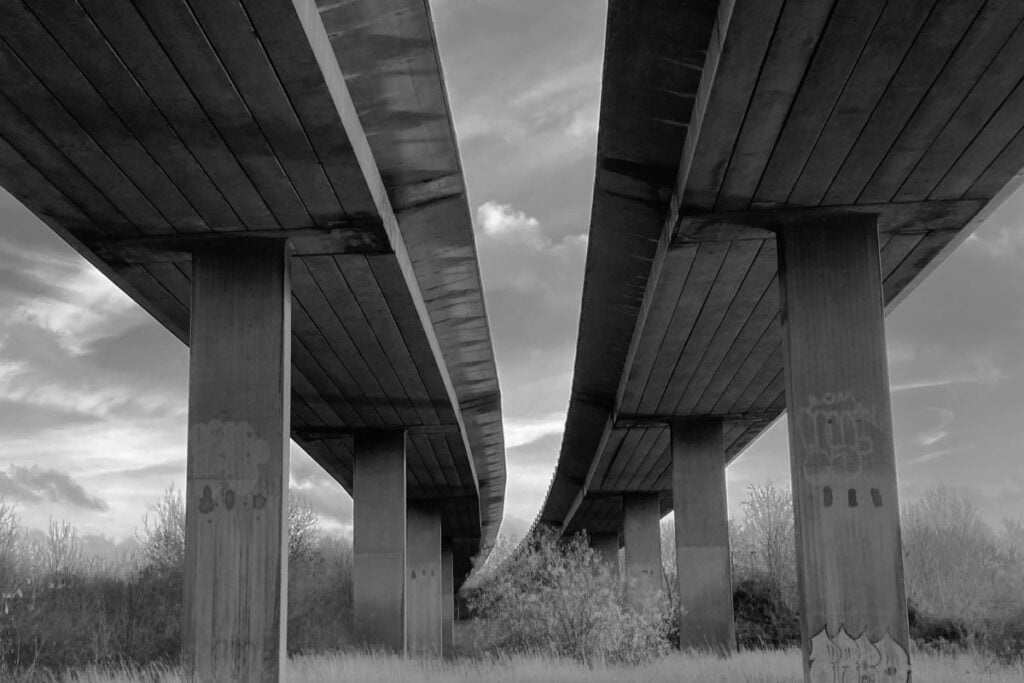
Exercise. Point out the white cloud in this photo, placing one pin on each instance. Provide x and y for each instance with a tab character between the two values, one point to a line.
933	436
985	373
577	83
526	488
36	391
584	124
900	352
522	431
89	308
1001	235
94	454
501	220
931	455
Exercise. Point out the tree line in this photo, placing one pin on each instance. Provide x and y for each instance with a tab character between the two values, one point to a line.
61	609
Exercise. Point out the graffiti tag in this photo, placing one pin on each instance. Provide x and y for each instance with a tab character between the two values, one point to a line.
844	659
837	433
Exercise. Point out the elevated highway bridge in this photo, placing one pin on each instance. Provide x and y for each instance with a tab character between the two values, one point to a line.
278	183
772	178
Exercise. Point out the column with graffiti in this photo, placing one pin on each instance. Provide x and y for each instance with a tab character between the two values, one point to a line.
853	605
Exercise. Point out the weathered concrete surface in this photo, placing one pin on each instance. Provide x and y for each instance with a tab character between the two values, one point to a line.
423	581
236	494
642	534
379	540
702	536
849	554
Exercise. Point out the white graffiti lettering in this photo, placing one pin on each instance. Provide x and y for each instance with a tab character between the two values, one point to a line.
837	433
844	659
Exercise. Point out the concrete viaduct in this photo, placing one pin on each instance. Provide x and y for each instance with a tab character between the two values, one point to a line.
278	183
772	177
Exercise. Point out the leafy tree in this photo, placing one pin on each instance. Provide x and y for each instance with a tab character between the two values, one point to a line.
764	543
163	533
63	553
9	543
304	531
163	530
951	556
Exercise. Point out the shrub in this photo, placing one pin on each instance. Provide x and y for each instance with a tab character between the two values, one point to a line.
60	610
941	634
320	597
763	544
560	598
163	534
763	618
950	556
1004	638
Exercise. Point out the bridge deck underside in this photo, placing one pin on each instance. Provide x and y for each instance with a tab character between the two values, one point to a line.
128	123
911	110
392	69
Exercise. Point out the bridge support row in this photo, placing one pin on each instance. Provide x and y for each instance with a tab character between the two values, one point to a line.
849	554
402	567
236	575
704	584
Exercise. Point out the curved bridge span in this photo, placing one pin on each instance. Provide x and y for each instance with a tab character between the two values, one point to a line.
278	183
772	178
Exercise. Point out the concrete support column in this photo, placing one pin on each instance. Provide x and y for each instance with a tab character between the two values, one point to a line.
607	547
423	581
378	540
236	501
850	561
642	534
447	598
702	536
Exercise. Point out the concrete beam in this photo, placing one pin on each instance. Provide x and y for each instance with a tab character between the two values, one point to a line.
702	536
649	421
447	598
607	548
355	238
423	581
379	540
642	534
899	218
237	479
330	433
849	553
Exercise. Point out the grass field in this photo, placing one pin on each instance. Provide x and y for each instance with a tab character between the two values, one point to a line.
748	667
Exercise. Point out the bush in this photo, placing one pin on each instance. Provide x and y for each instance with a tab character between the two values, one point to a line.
951	557
941	634
561	599
320	597
1004	638
763	544
60	610
763	618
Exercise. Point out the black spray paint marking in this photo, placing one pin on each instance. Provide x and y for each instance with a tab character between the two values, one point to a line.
206	502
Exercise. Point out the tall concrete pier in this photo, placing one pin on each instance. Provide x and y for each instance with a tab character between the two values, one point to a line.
849	556
703	568
236	496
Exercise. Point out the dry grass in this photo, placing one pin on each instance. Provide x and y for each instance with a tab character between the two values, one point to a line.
748	667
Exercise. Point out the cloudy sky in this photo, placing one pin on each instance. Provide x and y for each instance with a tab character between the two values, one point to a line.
92	391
